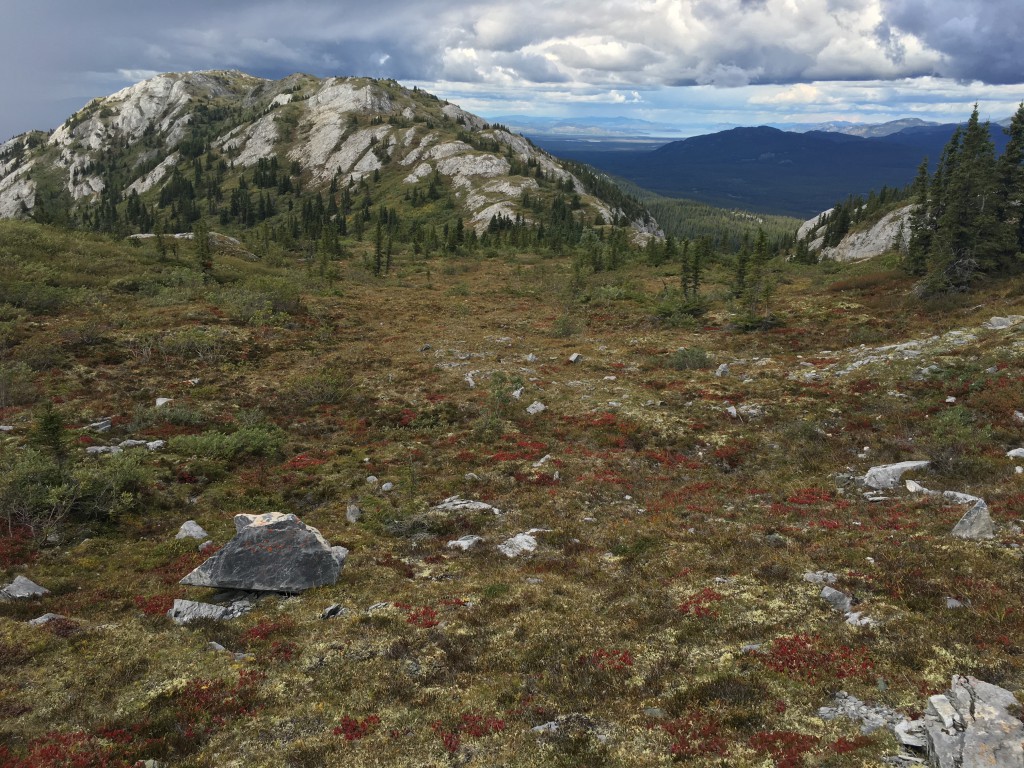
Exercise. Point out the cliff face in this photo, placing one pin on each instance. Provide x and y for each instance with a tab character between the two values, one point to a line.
889	233
336	130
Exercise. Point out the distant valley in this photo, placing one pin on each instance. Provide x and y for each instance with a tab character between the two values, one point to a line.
766	169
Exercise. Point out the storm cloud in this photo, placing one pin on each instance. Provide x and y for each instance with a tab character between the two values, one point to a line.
68	52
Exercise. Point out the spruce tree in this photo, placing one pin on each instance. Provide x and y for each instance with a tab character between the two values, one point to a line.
969	237
916	259
1011	184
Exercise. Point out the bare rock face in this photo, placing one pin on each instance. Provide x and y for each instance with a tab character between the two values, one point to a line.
973	726
891	231
271	553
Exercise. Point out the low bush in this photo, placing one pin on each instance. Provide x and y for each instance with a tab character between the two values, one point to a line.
264	441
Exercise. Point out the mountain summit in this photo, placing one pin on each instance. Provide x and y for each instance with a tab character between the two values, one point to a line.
209	130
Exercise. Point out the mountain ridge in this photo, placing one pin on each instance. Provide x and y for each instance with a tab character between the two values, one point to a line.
337	130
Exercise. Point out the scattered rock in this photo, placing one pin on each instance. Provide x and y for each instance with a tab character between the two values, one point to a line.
23	588
103	425
273	552
186	611
1001	323
518	393
333	611
190	529
536	407
162	401
458	504
974	725
840	601
872	718
387	487
952	603
99	450
1016	453
888	475
46	618
372	480
723	370
575	357
858	619
976	524
353	513
820	577
731	410
751	412
521	543
156	445
466	543
1018	416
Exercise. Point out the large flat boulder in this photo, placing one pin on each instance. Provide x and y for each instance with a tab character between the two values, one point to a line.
274	552
974	725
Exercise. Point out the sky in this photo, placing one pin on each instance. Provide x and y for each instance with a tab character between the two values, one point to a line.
695	66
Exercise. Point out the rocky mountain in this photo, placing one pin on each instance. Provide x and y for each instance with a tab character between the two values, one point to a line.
868	130
162	135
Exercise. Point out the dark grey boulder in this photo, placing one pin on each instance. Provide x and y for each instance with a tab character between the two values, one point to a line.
22	588
271	553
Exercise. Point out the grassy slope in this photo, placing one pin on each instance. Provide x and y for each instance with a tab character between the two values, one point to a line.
623	606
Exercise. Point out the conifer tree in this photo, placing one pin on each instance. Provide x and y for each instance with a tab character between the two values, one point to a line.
1011	184
969	237
916	259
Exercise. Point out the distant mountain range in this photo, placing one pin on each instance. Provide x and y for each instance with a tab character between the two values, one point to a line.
770	170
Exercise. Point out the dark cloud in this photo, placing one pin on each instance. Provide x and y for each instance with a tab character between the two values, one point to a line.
980	40
65	53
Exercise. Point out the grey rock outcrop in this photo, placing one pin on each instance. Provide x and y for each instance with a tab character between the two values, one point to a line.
890	232
973	726
273	552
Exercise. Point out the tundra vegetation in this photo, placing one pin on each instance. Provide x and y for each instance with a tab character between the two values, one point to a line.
663	617
672	432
